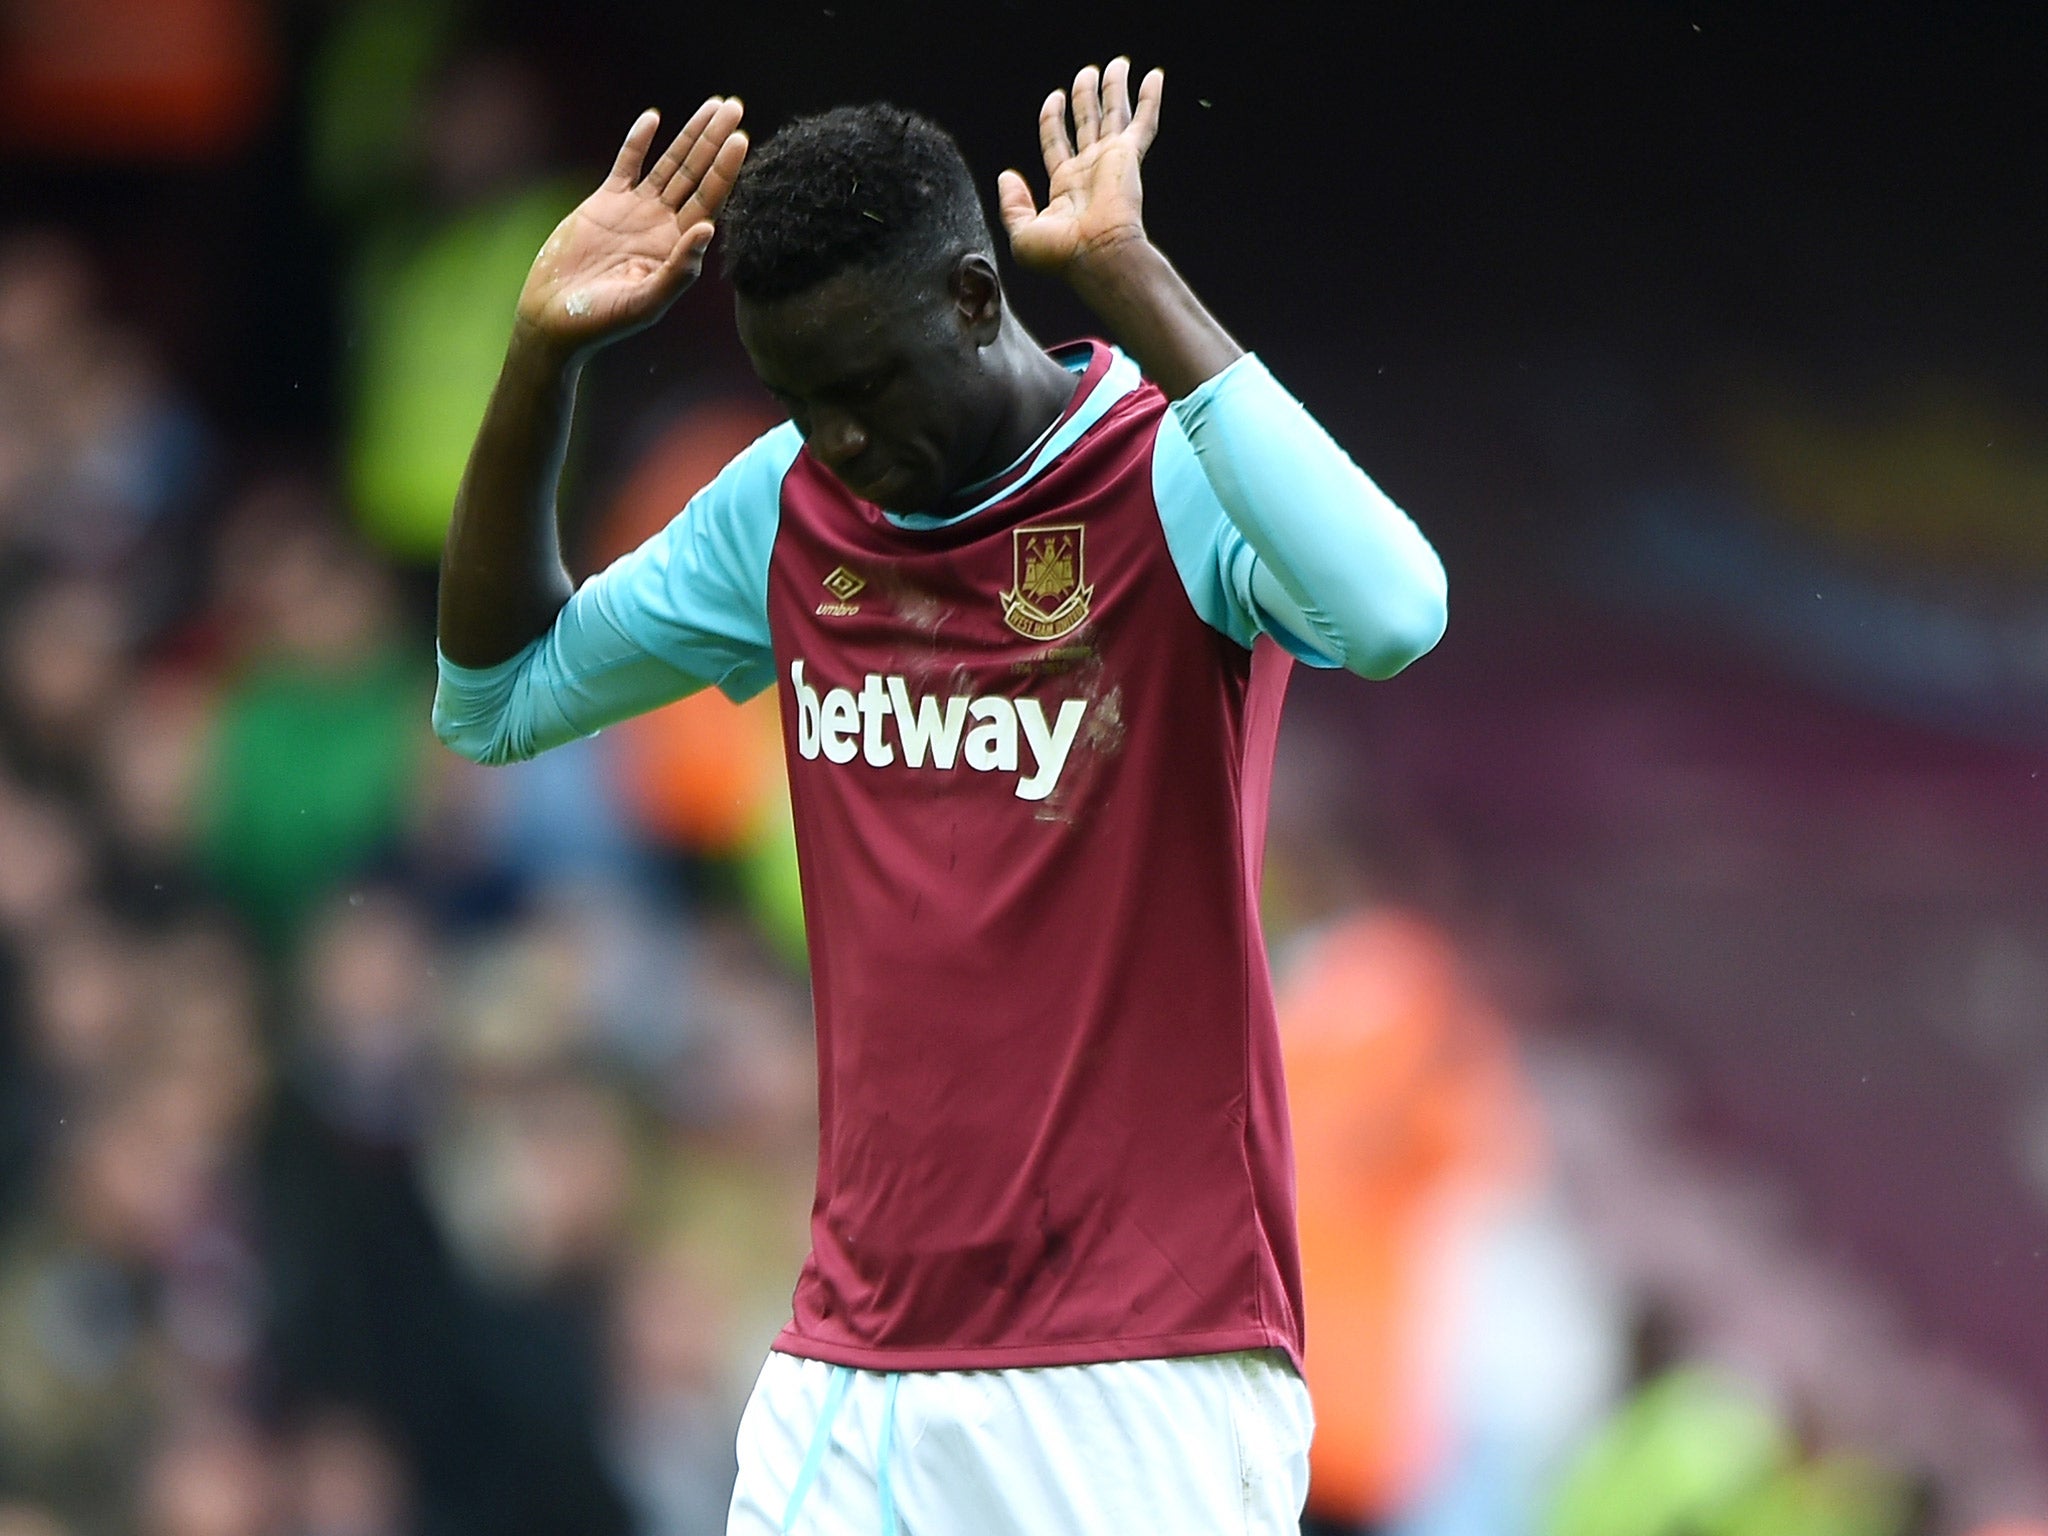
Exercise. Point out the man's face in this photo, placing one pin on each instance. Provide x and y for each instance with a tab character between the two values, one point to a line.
883	380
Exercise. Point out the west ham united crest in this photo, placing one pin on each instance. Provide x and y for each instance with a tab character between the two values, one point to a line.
1049	593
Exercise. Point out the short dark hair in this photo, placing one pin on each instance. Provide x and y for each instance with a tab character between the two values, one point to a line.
871	187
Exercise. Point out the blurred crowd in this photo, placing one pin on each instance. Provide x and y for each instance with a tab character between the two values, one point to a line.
382	1149
390	1147
1538	1305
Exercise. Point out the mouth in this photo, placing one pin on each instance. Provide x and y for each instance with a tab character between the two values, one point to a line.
877	486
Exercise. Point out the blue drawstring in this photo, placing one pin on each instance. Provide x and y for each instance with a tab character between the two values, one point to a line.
882	1460
821	1442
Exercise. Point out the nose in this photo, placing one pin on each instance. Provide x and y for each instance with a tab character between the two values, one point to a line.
836	438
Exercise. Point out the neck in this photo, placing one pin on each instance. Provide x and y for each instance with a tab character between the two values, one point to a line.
1035	390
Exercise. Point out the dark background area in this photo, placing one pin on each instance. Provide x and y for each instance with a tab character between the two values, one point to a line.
1422	203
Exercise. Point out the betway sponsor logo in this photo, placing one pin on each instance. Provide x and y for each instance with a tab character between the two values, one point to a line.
984	733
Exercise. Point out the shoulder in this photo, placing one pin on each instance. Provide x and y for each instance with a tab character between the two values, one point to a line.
750	485
707	568
1112	426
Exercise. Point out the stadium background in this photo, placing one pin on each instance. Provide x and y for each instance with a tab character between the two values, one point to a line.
390	1147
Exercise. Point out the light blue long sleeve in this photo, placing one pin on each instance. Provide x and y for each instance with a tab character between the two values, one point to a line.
686	610
585	673
1308	550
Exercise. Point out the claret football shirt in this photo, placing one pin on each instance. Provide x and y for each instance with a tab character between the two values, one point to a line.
1028	748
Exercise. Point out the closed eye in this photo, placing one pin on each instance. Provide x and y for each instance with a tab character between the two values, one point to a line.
861	388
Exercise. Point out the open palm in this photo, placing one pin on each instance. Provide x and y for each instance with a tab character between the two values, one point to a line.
1095	201
626	251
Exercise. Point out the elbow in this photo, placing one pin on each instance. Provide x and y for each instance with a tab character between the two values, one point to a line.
1404	634
485	742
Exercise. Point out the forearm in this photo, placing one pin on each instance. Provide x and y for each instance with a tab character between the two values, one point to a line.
1151	313
502	578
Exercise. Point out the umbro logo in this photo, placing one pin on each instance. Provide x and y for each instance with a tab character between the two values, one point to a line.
844	586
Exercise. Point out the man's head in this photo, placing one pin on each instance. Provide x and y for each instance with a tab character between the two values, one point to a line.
868	298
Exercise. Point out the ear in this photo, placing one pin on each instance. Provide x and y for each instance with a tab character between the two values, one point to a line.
977	293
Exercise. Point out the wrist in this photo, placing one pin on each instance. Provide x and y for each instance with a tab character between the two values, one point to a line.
540	355
1116	271
1152	314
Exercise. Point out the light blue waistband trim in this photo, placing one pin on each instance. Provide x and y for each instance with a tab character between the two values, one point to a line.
821	1442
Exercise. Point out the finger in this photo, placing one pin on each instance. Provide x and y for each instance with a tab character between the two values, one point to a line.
626	169
672	159
1087	106
1116	96
715	185
1145	126
1014	201
1053	142
704	153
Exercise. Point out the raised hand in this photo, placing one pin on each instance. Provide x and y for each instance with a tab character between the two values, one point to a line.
1094	204
626	251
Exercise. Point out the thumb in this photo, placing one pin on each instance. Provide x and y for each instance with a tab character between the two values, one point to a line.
687	259
1014	202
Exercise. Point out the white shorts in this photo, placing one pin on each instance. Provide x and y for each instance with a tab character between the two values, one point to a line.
1211	1445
